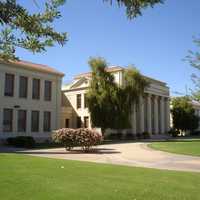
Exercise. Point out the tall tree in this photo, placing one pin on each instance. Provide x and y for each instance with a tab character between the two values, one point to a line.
35	32
194	60
135	7
183	114
109	103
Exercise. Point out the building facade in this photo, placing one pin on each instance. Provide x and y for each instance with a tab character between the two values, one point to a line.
30	100
152	115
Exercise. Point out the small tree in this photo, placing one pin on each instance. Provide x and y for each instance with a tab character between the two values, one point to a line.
183	114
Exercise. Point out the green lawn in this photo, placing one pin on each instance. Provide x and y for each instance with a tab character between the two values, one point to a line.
33	178
191	147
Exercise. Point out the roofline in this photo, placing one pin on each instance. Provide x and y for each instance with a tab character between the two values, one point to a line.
29	64
118	68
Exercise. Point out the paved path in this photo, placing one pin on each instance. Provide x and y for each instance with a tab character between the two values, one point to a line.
130	154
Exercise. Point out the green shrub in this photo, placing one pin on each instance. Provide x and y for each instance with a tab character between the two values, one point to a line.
83	137
21	141
174	132
139	135
130	136
146	135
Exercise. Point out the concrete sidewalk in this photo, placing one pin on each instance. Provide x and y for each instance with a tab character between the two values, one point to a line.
130	154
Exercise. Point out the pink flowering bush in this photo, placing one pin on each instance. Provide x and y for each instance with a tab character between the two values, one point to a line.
82	137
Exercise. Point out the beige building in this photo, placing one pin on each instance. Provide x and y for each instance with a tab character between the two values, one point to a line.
152	115
30	99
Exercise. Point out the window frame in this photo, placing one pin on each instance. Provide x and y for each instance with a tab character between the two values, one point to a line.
48	129
11	120
20	87
47	96
37	129
78	101
34	96
8	93
19	121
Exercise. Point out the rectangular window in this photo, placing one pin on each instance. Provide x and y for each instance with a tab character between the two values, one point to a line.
23	87
86	122
85	101
36	89
9	85
35	121
78	101
47	90
47	121
66	123
78	122
21	120
7	120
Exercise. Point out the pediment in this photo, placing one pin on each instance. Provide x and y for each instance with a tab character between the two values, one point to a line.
81	83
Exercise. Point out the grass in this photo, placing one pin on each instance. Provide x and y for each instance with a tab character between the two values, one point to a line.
191	147
33	178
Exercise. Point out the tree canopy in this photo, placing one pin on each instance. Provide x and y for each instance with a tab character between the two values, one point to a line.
194	60
183	114
135	7
106	98
35	31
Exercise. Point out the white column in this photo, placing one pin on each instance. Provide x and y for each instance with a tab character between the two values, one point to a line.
167	114
141	113
1	119
149	127
28	122
133	119
30	85
162	115
155	115
41	121
15	113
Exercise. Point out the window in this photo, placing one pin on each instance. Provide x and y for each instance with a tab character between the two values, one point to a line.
7	120
35	121
47	90
9	85
86	122
78	101
78	122
21	121
47	121
23	87
66	123
36	89
85	101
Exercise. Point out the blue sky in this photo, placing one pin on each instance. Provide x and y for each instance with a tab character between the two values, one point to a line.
156	43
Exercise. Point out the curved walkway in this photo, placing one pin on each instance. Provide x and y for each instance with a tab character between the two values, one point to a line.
130	154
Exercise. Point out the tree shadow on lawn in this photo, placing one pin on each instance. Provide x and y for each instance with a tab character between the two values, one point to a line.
50	151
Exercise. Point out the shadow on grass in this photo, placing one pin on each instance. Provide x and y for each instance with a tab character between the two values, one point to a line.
60	152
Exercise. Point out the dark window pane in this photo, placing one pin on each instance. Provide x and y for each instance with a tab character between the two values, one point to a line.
21	120
47	91
7	120
78	125
23	87
85	101
9	85
86	122
35	121
66	123
47	121
78	100
36	89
